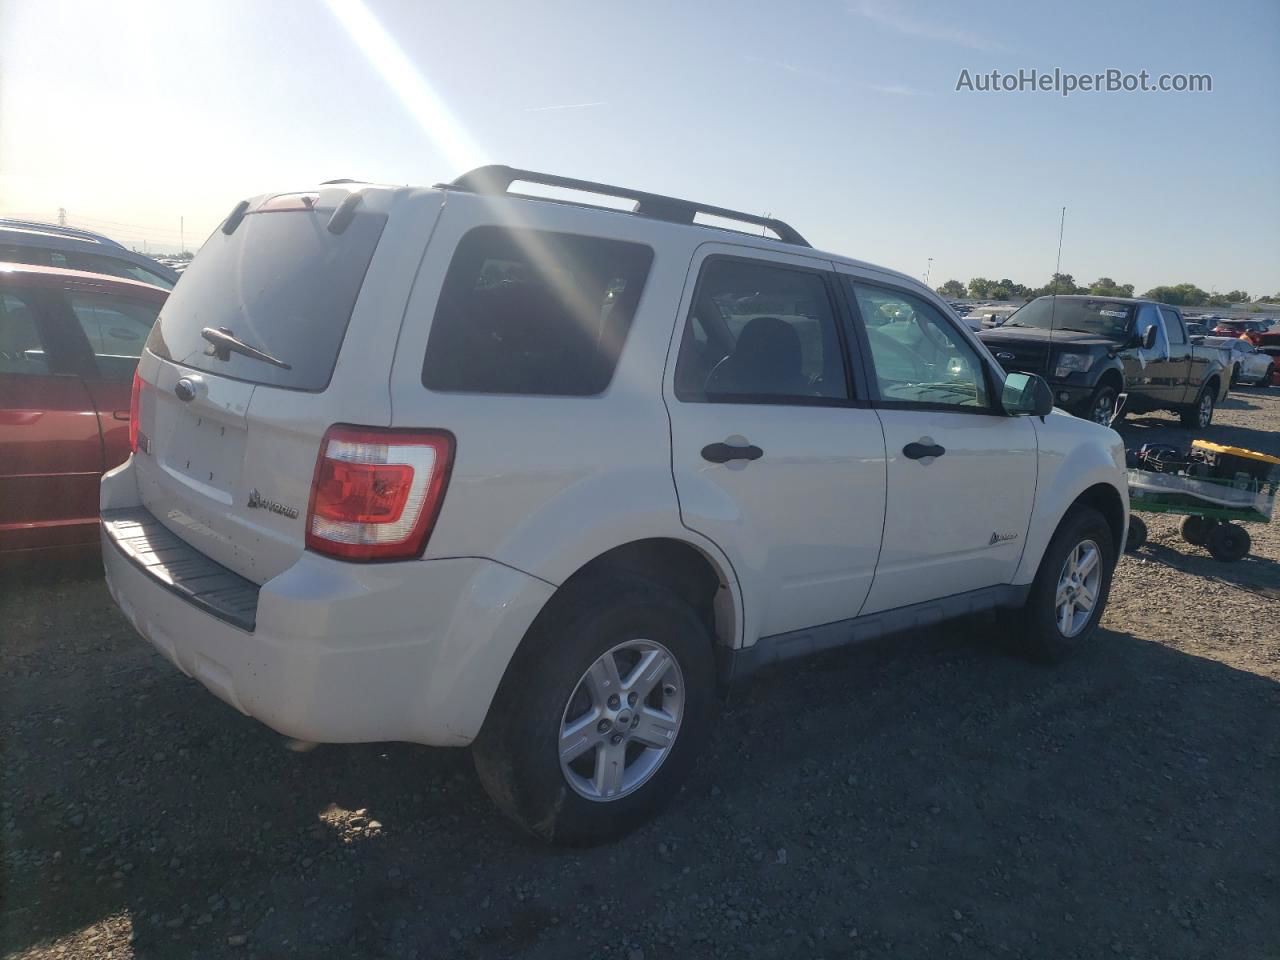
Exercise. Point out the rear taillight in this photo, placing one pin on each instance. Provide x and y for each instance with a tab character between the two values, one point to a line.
133	412
377	492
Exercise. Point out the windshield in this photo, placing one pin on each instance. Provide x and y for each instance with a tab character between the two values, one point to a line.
282	284
1102	318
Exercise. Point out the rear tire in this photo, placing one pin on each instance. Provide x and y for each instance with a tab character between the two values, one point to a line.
1038	627
1228	542
1199	415
1195	530
553	684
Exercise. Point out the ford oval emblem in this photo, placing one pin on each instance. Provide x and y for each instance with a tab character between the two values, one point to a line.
1005	356
185	390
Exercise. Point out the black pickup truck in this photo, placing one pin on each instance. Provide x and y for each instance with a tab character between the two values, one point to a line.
1092	349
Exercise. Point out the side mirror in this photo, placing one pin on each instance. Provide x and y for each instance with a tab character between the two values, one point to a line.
1026	395
1149	337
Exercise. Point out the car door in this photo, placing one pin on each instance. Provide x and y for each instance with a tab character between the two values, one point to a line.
1253	362
962	474
1152	374
776	454
1188	368
113	328
50	448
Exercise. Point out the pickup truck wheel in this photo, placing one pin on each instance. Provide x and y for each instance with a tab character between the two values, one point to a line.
1102	405
602	713
1070	590
1228	542
1200	414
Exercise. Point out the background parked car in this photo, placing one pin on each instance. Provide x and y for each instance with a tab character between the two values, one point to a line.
49	245
1248	363
69	343
1092	349
1254	330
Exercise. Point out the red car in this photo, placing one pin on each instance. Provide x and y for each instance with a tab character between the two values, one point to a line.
69	343
1255	331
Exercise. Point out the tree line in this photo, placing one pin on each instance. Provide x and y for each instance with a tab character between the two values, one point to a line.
1182	294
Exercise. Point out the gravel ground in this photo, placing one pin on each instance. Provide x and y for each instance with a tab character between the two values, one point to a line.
907	799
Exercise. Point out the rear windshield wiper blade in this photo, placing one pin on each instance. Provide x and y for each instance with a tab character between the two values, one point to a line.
224	343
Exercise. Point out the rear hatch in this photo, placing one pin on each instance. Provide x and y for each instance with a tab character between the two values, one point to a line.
245	367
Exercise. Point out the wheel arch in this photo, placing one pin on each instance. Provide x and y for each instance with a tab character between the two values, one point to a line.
1112	376
1104	498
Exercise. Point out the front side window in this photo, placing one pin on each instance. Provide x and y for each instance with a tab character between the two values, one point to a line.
919	358
1149	316
116	328
760	333
21	345
533	312
1173	326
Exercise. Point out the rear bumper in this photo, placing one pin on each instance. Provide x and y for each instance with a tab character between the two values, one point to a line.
342	652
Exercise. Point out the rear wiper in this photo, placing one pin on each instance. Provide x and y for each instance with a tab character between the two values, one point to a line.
224	343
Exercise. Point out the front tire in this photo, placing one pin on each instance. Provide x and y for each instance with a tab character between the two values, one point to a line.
602	712
1102	405
1070	591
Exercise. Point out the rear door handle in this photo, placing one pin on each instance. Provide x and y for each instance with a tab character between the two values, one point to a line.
723	452
922	449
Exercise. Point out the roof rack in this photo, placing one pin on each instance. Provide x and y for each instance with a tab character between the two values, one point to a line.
75	233
497	178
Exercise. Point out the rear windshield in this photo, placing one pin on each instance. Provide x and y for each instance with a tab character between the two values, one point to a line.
281	283
1102	318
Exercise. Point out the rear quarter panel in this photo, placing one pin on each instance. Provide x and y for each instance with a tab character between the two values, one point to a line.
544	483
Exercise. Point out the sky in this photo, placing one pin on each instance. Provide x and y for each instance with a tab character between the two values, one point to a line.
150	120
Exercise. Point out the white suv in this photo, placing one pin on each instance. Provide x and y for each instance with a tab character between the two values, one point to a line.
459	466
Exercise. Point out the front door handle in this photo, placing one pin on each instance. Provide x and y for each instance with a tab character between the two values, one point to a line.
922	449
723	452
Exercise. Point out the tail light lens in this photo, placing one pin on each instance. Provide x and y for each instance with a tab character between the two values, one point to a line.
133	412
376	492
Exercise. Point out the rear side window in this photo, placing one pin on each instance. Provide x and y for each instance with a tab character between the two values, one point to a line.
96	263
282	284
533	312
21	345
760	333
116	329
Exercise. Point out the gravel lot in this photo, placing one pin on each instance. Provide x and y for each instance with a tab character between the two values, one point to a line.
925	796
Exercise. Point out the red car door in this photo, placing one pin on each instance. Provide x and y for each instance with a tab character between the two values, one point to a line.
50	445
114	323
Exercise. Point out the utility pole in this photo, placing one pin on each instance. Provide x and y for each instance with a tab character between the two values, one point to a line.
62	216
928	270
182	236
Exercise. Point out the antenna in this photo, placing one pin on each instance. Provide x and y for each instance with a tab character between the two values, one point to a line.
1053	292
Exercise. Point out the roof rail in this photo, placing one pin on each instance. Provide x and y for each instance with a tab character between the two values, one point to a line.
497	178
75	233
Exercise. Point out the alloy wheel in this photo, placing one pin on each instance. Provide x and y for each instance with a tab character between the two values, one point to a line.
622	720
1205	413
1078	586
1104	407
